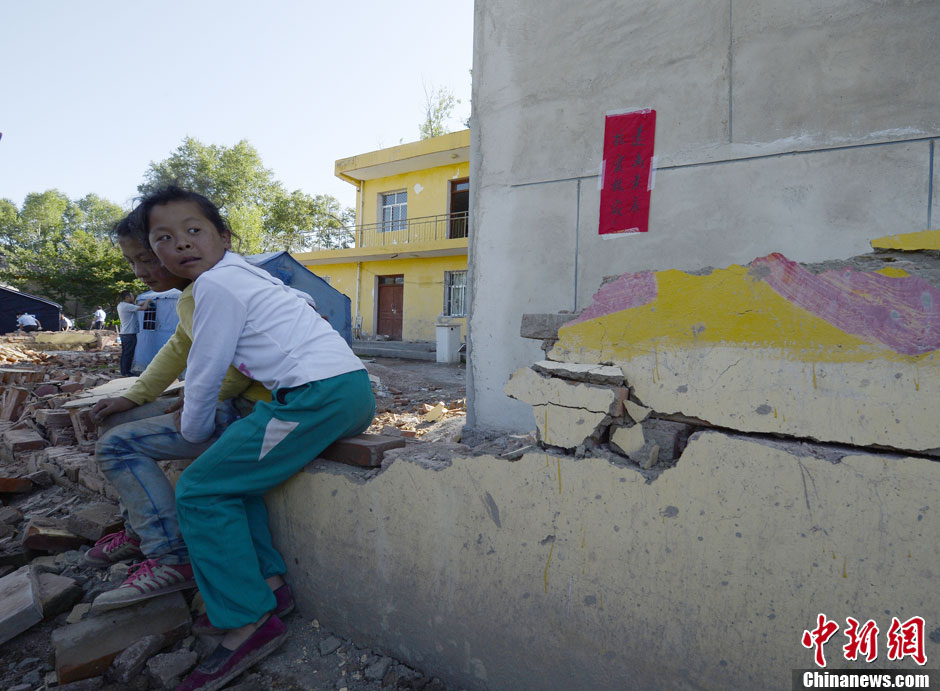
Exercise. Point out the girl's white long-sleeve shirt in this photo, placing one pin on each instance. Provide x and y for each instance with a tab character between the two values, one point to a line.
247	318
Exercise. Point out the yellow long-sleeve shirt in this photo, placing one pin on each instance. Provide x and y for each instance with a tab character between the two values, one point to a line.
170	361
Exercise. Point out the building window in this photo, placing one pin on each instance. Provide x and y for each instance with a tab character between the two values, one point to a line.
394	211
455	293
150	318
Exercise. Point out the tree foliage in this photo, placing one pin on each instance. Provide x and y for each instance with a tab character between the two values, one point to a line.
61	249
262	214
439	103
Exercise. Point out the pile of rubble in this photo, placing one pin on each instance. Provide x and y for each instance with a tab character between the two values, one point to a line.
54	505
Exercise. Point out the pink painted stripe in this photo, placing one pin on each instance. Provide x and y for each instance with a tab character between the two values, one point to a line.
630	290
901	313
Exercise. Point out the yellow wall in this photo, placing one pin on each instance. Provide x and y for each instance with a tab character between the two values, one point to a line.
423	293
428	192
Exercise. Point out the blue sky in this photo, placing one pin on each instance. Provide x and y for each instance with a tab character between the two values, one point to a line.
93	91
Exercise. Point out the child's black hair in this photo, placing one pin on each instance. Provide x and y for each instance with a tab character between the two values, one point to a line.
130	226
126	293
173	193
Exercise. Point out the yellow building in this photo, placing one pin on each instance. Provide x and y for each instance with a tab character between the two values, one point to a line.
408	269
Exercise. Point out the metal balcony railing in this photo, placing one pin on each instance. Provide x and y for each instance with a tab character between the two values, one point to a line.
422	229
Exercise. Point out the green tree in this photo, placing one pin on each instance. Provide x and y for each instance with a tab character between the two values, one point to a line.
98	215
260	212
62	250
439	103
299	222
229	176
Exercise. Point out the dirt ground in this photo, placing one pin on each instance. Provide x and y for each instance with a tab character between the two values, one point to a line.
419	399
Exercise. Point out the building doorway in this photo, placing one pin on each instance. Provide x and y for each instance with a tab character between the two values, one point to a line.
459	208
391	300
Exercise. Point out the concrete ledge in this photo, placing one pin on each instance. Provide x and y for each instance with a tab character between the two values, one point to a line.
554	572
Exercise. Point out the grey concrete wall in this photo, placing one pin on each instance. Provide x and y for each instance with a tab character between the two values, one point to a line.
560	573
805	128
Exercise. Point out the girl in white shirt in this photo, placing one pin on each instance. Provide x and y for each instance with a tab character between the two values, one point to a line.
321	392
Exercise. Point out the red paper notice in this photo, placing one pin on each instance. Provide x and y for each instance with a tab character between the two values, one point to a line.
626	177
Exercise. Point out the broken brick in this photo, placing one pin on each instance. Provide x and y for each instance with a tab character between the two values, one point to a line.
15	485
11	403
50	535
86	649
62	436
363	450
46	390
85	428
71	387
15	441
53	418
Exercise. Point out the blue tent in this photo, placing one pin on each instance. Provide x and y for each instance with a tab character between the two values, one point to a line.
158	323
14	302
331	303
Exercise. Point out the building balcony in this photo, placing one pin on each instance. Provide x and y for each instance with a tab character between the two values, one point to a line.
412	230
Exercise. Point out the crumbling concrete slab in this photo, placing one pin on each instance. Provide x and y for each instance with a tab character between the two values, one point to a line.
20	606
596	565
566	413
593	374
87	648
834	353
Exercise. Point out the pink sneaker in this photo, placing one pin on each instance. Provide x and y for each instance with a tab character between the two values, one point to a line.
113	548
284	605
146	580
223	665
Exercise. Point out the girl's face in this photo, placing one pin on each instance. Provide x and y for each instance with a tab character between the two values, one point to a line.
186	242
147	267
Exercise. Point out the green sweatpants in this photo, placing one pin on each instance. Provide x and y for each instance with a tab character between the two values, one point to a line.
220	496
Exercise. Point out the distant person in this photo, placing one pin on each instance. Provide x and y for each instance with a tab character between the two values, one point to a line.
65	324
100	316
27	322
130	327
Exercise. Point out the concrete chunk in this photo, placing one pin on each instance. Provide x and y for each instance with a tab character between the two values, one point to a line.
167	668
528	386
86	649
595	374
57	593
627	440
541	326
20	607
566	414
131	661
95	521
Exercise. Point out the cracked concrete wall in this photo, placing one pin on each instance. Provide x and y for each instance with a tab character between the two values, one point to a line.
555	572
803	128
838	355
